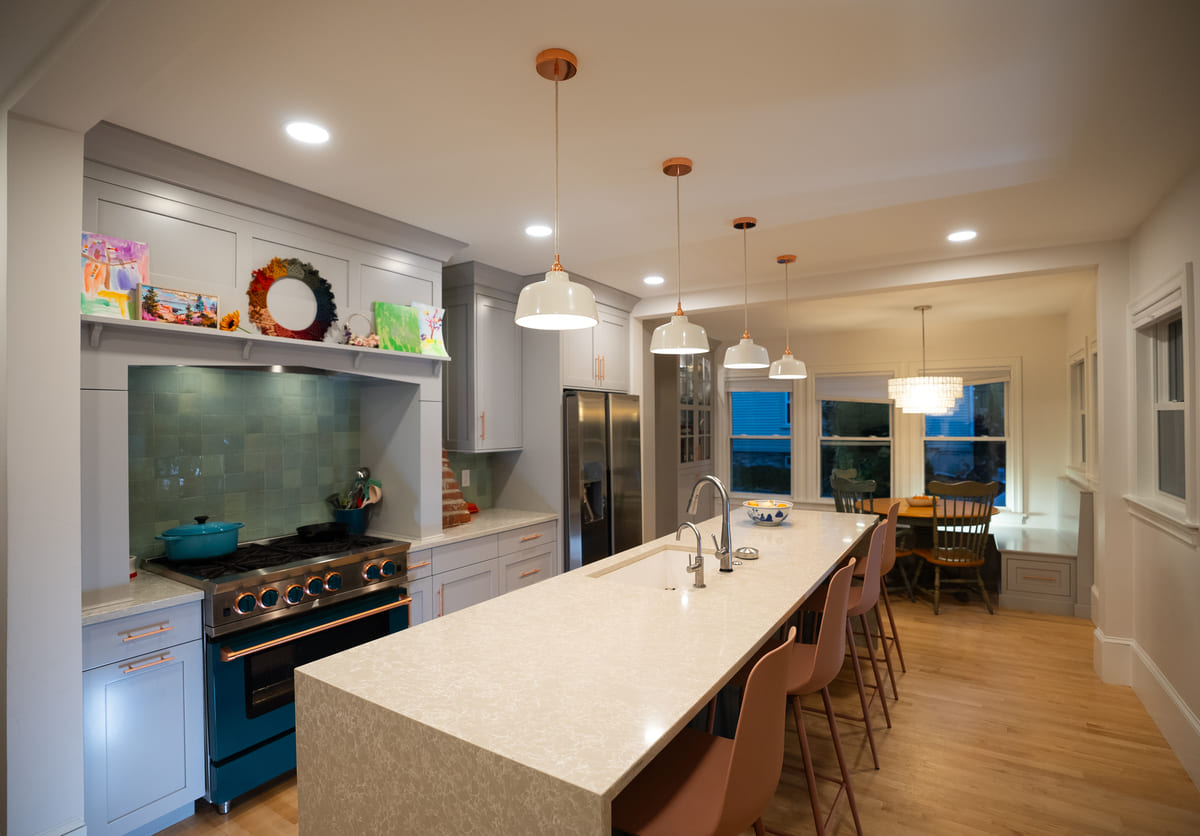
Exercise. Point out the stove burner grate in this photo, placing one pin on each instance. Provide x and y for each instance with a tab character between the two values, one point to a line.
277	552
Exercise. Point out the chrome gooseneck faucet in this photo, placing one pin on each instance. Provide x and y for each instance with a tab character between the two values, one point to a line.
696	567
724	552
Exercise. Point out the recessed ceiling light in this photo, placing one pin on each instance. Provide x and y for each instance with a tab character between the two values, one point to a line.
538	230
307	132
654	280
961	235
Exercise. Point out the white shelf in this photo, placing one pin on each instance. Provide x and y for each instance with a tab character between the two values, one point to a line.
97	325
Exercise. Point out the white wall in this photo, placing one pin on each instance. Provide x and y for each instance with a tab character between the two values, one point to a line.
1160	601
4	462
42	439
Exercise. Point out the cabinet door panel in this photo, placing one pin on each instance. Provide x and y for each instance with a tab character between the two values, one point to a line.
143	737
578	363
612	347
461	588
421	608
497	375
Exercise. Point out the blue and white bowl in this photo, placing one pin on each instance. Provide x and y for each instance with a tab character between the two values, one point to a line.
767	511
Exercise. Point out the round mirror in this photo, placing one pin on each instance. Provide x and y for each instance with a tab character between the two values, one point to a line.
292	303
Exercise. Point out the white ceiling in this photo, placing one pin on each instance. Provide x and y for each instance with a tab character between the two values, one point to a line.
859	132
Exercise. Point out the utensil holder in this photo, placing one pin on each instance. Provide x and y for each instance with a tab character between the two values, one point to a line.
354	518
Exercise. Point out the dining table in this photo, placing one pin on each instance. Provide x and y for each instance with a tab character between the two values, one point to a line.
907	510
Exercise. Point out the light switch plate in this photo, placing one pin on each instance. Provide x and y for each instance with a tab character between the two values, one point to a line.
466	479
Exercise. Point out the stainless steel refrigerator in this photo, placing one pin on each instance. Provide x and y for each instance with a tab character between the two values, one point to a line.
603	479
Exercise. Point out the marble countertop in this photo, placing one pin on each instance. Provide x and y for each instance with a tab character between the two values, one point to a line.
146	593
581	678
487	521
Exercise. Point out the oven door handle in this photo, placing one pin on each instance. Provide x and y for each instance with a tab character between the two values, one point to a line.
228	654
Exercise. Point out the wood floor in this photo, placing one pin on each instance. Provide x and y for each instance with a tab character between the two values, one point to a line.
1002	727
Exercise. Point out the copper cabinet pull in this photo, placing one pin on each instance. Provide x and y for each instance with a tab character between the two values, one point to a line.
530	572
530	537
441	600
228	654
603	367
162	629
483	426
1038	578
158	661
420	565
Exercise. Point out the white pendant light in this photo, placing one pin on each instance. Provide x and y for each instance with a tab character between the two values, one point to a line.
678	336
747	354
927	395
787	367
556	303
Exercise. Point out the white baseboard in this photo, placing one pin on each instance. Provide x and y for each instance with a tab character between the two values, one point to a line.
1112	658
1178	723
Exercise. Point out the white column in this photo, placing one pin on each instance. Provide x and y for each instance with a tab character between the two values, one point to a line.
41	432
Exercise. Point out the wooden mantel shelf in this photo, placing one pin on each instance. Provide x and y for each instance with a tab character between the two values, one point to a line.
96	326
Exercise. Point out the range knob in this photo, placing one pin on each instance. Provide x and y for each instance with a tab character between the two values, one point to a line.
333	581
246	602
314	586
294	594
387	568
268	597
371	573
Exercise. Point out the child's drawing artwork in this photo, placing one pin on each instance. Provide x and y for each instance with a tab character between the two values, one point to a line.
112	270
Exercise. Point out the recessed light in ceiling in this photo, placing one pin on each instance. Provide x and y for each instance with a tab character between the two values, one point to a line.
538	230
654	280
307	132
961	235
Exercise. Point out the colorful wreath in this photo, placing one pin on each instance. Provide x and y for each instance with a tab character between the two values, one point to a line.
292	268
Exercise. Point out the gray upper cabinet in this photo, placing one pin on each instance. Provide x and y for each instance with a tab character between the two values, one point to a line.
482	382
598	358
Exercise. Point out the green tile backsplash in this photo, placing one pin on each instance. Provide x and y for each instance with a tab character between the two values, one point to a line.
237	445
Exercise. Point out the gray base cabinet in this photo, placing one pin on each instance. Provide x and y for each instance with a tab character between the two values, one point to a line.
471	571
143	719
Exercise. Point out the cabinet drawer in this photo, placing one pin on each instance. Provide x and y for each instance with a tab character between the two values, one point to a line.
1038	575
420	564
527	567
449	558
135	635
530	535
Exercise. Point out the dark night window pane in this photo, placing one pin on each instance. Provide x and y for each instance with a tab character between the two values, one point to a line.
979	413
966	461
760	413
872	460
850	419
760	465
1172	476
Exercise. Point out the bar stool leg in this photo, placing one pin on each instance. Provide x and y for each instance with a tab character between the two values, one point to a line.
879	688
887	603
809	774
887	653
837	747
862	693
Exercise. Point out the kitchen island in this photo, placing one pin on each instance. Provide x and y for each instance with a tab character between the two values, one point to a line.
528	713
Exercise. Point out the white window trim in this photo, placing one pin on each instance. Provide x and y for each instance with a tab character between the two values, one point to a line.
1176	295
1075	467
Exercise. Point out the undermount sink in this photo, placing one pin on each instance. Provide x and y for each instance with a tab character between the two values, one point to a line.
665	568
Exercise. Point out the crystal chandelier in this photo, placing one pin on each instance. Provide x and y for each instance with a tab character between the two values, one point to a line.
925	394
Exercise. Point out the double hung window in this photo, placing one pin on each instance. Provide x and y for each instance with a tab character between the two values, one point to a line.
760	444
1169	406
856	430
971	442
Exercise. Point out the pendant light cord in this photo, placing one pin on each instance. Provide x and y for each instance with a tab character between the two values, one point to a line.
678	257
557	266
745	285
787	307
923	370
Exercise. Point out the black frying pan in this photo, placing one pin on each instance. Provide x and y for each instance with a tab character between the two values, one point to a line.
323	531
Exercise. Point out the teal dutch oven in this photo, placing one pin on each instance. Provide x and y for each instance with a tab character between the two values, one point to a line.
201	541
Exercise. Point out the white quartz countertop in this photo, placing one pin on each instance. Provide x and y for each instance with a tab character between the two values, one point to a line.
146	593
487	521
584	678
